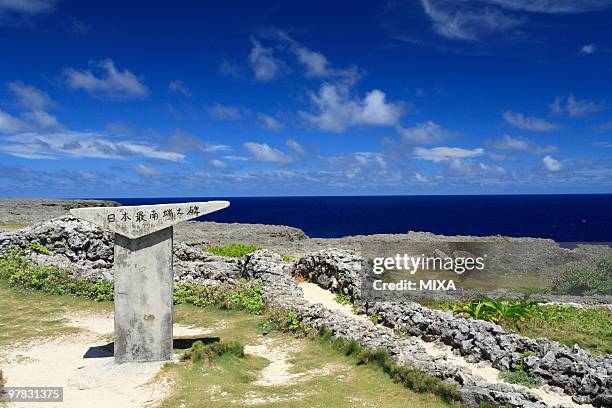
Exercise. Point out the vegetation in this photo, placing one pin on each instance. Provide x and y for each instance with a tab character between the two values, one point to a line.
287	258
2	380
373	318
493	310
343	300
587	327
519	376
285	321
38	247
19	271
586	281
232	250
199	352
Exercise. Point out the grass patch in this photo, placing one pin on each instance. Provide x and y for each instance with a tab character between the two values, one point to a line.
11	227
519	376
232	250
199	352
38	247
587	327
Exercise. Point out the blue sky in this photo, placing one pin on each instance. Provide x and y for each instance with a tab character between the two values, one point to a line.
123	99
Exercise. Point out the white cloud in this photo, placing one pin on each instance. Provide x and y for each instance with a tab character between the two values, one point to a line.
10	124
111	84
295	146
269	122
553	6
235	158
420	178
437	154
315	63
146	170
575	107
186	143
459	21
225	112
264	153
587	49
30	97
80	144
424	133
265	66
218	164
551	164
178	87
42	119
336	110
230	69
529	122
521	144
10	8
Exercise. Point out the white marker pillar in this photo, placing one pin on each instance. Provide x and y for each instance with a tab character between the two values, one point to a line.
143	274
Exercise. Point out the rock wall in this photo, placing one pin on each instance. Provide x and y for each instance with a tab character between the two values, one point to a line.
87	250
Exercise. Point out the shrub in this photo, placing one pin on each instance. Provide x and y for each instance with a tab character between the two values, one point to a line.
232	250
199	295
493	310
343	300
586	281
248	298
38	247
373	318
21	272
286	321
199	352
287	258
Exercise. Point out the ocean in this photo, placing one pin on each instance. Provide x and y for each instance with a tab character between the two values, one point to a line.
564	218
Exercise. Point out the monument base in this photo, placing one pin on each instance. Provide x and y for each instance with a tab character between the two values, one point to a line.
143	297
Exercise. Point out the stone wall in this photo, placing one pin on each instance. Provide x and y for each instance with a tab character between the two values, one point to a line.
87	250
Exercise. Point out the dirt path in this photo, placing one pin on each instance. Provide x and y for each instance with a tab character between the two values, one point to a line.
315	294
95	382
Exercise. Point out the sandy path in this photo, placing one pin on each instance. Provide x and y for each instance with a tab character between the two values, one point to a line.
315	294
94	382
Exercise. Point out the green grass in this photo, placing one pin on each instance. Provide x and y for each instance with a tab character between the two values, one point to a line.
343	300
232	250
226	379
521	378
586	281
38	247
587	327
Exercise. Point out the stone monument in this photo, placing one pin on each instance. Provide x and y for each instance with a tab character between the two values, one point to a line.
143	274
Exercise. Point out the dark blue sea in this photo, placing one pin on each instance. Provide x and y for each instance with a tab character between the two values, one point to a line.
564	218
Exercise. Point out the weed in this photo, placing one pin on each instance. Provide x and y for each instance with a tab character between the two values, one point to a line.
232	250
38	247
287	321
199	352
493	310
343	299
373	318
520	376
287	258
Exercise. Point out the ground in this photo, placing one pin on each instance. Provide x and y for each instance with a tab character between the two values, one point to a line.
43	339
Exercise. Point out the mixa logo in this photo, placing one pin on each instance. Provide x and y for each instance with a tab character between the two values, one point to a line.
408	285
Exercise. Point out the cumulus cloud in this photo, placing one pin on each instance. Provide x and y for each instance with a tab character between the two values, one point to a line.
178	87
575	107
424	133
336	109
218	164
55	145
269	122
587	49
186	143
521	121
263	63
420	178
10	124
42	119
437	154
228	68
225	112
20	11
109	82
359	163
295	146
551	164
146	171
522	144
30	97
262	152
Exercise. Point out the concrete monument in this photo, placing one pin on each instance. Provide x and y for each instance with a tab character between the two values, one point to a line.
143	274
